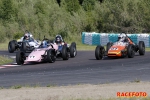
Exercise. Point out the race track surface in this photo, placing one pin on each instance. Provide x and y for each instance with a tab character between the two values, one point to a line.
83	69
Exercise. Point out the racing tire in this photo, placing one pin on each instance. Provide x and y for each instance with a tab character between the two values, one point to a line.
109	44
23	47
20	57
73	51
99	52
11	46
16	43
51	57
130	51
65	53
141	48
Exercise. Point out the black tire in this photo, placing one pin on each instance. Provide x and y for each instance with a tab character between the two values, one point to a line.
99	52
16	43
64	53
23	47
11	46
20	57
73	50
130	51
51	57
141	48
109	44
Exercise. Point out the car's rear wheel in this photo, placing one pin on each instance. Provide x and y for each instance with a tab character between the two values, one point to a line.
51	57
130	51
65	55
99	52
20	57
141	48
73	51
11	46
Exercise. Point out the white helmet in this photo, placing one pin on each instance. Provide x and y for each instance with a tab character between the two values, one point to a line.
121	37
31	35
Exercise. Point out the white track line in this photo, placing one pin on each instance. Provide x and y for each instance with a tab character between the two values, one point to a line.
12	56
2	67
10	65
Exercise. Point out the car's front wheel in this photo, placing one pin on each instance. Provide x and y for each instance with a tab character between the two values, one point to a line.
130	51
11	46
64	52
99	52
20	57
51	57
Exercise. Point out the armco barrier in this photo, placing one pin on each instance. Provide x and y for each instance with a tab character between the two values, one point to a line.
92	38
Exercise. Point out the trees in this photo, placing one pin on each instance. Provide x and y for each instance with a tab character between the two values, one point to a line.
71	17
70	5
8	10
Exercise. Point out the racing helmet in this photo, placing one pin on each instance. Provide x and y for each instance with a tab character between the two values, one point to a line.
58	39
30	35
26	36
44	44
121	37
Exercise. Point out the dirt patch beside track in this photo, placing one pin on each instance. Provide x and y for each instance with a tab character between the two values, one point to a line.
74	92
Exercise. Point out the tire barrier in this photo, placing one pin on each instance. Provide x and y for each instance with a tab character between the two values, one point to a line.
93	38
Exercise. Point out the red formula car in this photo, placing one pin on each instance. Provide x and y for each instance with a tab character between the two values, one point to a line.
120	49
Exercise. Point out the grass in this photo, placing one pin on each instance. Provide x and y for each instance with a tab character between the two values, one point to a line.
51	85
5	60
16	87
136	80
4	46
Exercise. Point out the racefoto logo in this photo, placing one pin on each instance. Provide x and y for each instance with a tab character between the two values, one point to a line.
131	94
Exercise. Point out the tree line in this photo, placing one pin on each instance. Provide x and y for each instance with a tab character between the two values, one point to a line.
71	17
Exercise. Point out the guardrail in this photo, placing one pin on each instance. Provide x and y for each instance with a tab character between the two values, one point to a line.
93	38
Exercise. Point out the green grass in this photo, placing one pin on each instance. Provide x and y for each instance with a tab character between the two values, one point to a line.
5	60
16	87
4	46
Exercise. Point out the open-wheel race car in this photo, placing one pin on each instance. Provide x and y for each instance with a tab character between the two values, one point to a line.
46	52
25	43
65	51
22	45
122	48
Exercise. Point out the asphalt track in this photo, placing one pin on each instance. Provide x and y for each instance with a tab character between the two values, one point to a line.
83	69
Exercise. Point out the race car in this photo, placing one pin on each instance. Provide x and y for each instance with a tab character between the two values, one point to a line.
22	45
66	50
46	52
120	49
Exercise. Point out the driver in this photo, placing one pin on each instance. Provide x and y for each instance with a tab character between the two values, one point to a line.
122	38
59	40
26	37
44	44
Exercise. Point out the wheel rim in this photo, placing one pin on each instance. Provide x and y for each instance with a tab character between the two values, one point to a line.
143	48
74	52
